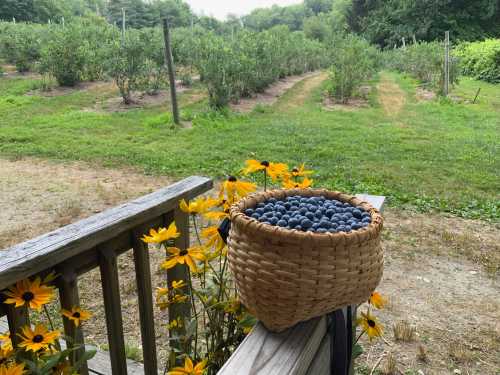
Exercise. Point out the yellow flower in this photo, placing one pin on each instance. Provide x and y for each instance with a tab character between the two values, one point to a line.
189	368
178	284
33	294
176	323
198	206
163	304
40	338
76	315
236	189
178	256
14	369
219	214
370	325
377	300
5	342
290	184
162	235
232	306
214	240
274	170
300	171
62	368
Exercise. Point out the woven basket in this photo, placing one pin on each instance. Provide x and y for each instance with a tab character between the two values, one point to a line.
287	276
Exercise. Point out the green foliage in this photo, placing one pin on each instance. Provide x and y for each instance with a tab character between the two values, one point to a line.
480	60
20	44
423	61
126	63
354	61
246	64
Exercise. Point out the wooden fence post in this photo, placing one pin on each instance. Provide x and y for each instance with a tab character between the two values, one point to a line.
446	63
124	25
171	72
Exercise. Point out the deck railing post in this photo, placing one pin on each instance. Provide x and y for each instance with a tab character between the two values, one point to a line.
68	292
17	318
145	296
112	308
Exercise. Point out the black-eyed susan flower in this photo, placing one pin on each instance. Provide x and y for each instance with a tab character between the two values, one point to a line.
300	171
377	300
76	315
12	369
6	342
236	189
290	184
221	213
166	297
189	368
370	325
198	206
39	338
189	256
178	284
274	170
162	235
33	294
213	240
175	324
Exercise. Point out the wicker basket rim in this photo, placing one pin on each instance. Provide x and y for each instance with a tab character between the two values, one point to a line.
238	217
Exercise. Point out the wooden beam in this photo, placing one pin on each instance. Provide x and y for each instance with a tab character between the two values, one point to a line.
42	253
266	353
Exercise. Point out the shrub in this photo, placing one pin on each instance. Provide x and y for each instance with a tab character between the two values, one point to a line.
64	54
126	63
423	61
480	60
20	44
354	61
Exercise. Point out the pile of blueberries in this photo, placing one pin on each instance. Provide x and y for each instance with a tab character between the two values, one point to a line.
314	214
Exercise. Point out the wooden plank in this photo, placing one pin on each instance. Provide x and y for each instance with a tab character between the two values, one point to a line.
46	251
145	296
100	364
17	318
68	292
289	352
112	307
321	362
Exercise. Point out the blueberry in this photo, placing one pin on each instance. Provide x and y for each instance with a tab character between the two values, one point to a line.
256	216
332	230
304	200
259	211
334	226
268	208
309	215
315	226
273	220
346	205
286	217
341	222
303	211
321	230
339	204
318	214
347	228
366	220
330	212
293	222
282	209
356	213
298	227
272	200
282	223
341	228
287	205
294	208
278	215
268	214
312	207
365	214
261	205
295	203
325	224
289	199
356	226
346	217
249	212
306	223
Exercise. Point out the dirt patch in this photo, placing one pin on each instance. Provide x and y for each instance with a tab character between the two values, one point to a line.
99	86
271	94
391	96
423	94
354	104
450	301
441	273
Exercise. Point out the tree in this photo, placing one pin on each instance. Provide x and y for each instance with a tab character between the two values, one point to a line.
319	6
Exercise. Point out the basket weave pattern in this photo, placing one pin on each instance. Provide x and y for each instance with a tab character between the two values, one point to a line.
287	276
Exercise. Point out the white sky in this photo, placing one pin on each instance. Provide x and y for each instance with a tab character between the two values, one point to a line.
220	8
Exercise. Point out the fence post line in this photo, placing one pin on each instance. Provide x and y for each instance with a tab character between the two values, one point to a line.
446	63
171	72
124	25
17	318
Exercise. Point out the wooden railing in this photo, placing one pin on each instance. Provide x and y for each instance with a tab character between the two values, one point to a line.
96	242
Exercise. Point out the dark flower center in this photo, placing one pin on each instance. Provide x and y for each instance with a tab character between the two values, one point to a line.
183	252
38	339
295	170
265	163
371	323
76	315
28	296
232	179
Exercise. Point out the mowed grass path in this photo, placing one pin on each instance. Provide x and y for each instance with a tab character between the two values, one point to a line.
430	155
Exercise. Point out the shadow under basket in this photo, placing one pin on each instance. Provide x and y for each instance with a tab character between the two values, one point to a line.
285	276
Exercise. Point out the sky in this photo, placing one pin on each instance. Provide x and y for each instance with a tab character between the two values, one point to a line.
220	8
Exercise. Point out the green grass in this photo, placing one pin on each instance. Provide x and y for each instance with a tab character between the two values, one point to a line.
445	157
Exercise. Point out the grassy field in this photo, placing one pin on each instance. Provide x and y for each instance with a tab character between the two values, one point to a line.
433	155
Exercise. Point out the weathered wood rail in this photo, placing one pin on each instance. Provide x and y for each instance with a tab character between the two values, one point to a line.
96	242
320	346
